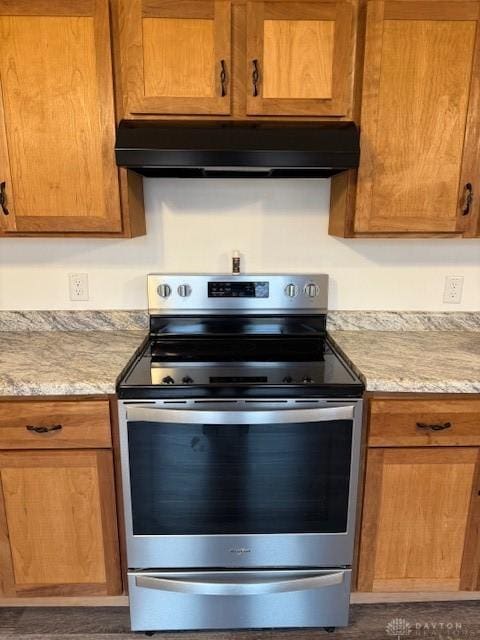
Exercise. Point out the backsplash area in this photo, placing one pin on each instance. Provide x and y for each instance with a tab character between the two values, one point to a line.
277	225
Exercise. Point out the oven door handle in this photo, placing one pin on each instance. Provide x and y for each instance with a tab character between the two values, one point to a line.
237	588
260	416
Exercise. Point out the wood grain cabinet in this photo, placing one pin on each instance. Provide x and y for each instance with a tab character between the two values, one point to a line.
420	123
421	514
175	56
300	58
58	526
57	123
233	59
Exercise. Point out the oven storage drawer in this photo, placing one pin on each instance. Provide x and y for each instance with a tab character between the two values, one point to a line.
238	599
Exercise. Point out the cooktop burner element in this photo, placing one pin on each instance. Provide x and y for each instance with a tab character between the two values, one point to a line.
252	336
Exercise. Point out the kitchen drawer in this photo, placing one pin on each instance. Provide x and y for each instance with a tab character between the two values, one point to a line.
82	424
414	423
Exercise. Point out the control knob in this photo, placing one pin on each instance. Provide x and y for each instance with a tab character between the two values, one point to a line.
288	379
307	380
184	290
168	380
164	290
291	290
311	290
187	380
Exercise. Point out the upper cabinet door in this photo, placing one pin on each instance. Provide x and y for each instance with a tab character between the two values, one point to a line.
300	58
420	157
57	124
175	56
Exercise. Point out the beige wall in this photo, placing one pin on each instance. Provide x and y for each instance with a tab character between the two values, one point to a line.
277	225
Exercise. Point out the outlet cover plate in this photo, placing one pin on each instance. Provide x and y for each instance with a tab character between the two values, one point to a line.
452	293
78	286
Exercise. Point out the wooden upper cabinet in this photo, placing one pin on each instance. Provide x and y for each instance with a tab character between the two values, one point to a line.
420	118
174	56
300	58
57	120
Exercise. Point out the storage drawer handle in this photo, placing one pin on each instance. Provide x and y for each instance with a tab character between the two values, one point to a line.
239	588
54	427
255	77
223	78
3	199
434	427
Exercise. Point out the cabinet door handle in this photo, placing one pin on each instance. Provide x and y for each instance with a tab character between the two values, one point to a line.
3	199
53	427
433	427
467	199
223	78
255	77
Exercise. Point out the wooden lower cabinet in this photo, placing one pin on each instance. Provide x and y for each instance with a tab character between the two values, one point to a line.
58	523
421	516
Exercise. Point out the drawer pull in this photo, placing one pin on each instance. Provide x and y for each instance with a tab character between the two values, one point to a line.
242	586
54	427
433	427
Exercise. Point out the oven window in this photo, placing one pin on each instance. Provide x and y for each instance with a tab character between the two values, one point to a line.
239	479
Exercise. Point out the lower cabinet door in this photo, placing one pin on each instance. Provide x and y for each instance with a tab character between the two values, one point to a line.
421	518
58	527
176	600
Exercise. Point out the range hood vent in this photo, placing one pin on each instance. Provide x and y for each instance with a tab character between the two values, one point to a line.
227	151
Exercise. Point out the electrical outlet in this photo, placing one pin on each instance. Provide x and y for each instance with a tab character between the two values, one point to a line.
452	294
78	286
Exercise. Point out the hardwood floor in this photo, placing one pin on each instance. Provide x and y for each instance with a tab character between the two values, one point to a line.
358	597
368	622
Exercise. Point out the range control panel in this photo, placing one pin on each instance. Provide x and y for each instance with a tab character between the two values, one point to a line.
173	293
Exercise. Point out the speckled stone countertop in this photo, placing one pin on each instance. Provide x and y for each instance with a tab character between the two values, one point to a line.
64	362
413	361
84	352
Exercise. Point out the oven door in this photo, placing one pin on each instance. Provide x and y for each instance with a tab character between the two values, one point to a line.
242	487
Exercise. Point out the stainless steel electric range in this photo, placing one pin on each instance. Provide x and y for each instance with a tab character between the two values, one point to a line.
240	432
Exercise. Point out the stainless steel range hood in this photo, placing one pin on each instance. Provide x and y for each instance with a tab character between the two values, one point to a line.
231	151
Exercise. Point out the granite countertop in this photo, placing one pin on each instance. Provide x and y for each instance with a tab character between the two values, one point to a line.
413	361
64	362
84	352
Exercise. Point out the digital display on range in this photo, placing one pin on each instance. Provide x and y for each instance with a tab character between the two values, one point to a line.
238	290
